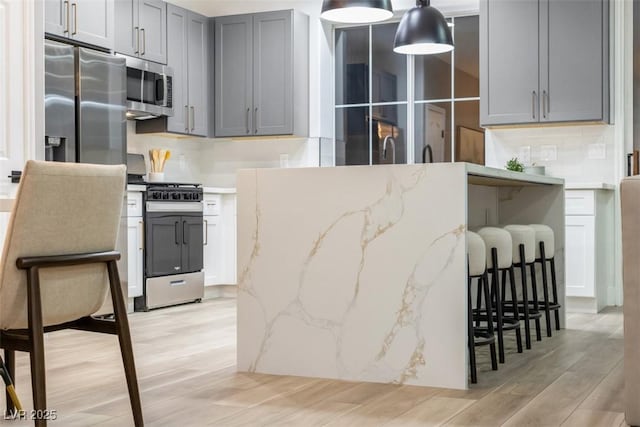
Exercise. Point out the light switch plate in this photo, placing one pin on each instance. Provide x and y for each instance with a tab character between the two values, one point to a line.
597	151
548	152
524	154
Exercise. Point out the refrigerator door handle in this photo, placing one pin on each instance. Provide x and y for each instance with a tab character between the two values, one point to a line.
186	118
137	30
193	118
144	42
74	6
66	8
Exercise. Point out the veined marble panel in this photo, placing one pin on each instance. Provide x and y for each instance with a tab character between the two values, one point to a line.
354	273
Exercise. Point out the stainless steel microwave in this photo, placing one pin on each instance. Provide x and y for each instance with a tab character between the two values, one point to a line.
149	89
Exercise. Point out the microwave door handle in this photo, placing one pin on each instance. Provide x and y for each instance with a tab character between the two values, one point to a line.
165	92
142	87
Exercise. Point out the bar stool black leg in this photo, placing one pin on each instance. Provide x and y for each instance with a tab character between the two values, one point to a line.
547	310
525	299
495	288
471	333
484	281
554	289
536	306
514	301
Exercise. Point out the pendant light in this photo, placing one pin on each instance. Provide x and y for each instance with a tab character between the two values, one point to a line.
356	11
423	31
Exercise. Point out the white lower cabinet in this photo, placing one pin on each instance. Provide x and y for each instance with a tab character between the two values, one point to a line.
212	250
135	245
219	228
589	247
580	260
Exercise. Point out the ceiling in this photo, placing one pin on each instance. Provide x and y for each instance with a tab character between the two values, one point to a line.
228	7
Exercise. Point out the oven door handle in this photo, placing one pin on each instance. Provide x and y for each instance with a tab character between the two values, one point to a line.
184	235
175	227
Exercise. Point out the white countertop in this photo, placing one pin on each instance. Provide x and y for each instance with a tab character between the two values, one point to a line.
589	186
503	174
136	187
219	190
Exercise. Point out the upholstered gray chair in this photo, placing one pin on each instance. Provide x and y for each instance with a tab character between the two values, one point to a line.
630	201
59	260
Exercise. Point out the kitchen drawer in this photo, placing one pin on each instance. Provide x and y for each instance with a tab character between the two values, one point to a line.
134	203
212	204
579	202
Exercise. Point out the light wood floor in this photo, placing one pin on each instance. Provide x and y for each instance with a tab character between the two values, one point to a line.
186	365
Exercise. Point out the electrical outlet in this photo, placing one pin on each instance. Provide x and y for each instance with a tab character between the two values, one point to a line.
597	151
524	154
284	160
548	152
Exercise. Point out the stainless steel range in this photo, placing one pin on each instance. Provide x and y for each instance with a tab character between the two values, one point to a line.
173	245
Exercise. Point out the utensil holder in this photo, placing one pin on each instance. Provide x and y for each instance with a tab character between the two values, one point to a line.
156	176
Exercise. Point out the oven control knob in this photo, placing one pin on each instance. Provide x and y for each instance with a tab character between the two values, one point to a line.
175	196
165	195
187	196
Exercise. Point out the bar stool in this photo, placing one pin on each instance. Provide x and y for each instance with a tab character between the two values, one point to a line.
524	255
545	251
476	258
500	258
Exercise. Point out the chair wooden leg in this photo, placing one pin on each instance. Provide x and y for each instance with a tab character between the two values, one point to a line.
545	285
484	287
10	363
536	305
36	337
516	311
124	336
554	289
470	337
495	287
525	299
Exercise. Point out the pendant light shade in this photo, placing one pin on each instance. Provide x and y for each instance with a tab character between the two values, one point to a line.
423	30
356	11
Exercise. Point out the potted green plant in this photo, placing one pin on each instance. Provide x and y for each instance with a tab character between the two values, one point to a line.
515	165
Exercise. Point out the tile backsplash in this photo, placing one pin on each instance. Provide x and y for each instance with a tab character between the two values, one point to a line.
214	162
581	153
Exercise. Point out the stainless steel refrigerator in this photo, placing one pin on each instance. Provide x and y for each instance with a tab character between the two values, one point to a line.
85	116
85	105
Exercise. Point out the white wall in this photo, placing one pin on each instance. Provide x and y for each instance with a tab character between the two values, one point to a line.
583	153
214	162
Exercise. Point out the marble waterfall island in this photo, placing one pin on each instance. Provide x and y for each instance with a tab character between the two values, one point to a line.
359	273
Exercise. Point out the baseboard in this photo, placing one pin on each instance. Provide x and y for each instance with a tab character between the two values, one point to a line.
582	305
220	291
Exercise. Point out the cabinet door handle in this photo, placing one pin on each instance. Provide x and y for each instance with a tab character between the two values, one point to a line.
248	111
66	8
255	120
545	100
193	118
186	118
137	30
184	235
144	42
74	6
534	99
141	235
175	230
206	232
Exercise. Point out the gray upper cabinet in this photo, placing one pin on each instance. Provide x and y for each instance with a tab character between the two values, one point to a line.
273	73
87	21
536	69
509	61
261	78
141	29
187	52
233	76
574	75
